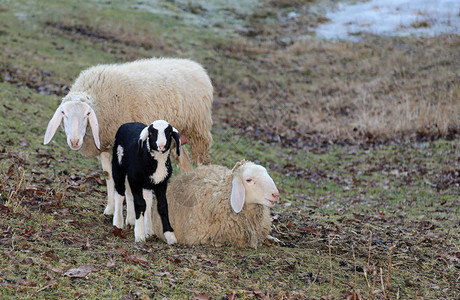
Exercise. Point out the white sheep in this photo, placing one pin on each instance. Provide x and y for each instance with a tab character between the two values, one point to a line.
212	205
177	90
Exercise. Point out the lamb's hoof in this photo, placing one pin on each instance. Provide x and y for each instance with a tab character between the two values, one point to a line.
140	239
109	210
170	237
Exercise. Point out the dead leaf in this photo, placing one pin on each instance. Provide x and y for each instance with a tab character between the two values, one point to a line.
80	272
172	259
50	254
27	283
161	274
136	259
201	297
110	264
118	232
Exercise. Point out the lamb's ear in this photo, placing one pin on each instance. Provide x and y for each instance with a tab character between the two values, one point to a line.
176	136
238	194
142	137
53	125
94	127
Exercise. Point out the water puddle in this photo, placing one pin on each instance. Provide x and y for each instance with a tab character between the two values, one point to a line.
392	18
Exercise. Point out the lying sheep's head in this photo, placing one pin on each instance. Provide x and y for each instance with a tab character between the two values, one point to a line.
252	184
74	115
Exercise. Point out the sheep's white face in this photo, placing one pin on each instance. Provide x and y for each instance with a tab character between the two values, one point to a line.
259	186
75	119
74	116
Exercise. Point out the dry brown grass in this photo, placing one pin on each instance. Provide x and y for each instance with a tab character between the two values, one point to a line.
376	90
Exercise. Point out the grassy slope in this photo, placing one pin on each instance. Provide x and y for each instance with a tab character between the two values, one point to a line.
52	199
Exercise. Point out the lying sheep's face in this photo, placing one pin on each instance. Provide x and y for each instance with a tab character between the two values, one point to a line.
259	186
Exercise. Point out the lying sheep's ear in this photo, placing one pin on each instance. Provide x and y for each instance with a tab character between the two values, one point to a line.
238	194
142	137
176	136
94	127
53	125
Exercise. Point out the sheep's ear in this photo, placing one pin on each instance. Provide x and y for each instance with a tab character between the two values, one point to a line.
176	136
142	137
53	125
94	127
238	194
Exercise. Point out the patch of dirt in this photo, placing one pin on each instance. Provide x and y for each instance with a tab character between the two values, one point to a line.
42	81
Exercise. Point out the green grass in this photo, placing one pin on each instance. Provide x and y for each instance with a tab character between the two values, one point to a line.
401	194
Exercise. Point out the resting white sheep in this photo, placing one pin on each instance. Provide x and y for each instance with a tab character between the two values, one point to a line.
212	205
176	90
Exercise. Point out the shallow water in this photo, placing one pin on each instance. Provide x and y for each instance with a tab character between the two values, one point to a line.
392	18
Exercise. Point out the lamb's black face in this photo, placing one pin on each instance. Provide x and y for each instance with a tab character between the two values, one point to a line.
160	136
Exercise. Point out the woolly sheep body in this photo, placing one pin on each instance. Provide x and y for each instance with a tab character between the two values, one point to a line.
201	214
176	90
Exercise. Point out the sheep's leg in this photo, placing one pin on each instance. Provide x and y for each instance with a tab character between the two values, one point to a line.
106	161
130	214
162	207
148	196
184	161
201	146
139	208
118	212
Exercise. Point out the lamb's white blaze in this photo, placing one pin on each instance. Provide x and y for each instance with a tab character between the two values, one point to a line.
160	126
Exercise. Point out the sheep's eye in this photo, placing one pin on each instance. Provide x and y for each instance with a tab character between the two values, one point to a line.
88	113
249	180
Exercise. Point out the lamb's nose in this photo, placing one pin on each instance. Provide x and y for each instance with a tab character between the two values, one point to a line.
74	142
161	148
276	196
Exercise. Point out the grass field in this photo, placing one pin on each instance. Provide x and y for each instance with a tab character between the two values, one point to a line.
361	138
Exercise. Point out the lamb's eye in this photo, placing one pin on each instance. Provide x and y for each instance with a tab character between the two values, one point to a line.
88	113
249	180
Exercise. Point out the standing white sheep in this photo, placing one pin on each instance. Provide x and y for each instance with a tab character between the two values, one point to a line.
212	205
177	90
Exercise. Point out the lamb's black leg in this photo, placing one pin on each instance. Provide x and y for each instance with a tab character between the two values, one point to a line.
139	209
162	207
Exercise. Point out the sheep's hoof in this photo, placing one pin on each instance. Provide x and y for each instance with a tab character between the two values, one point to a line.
109	210
170	237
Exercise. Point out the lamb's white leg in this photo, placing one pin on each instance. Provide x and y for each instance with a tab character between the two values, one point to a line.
106	161
170	238
148	197
130	213
118	213
139	233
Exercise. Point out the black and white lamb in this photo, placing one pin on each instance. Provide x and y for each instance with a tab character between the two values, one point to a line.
140	165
